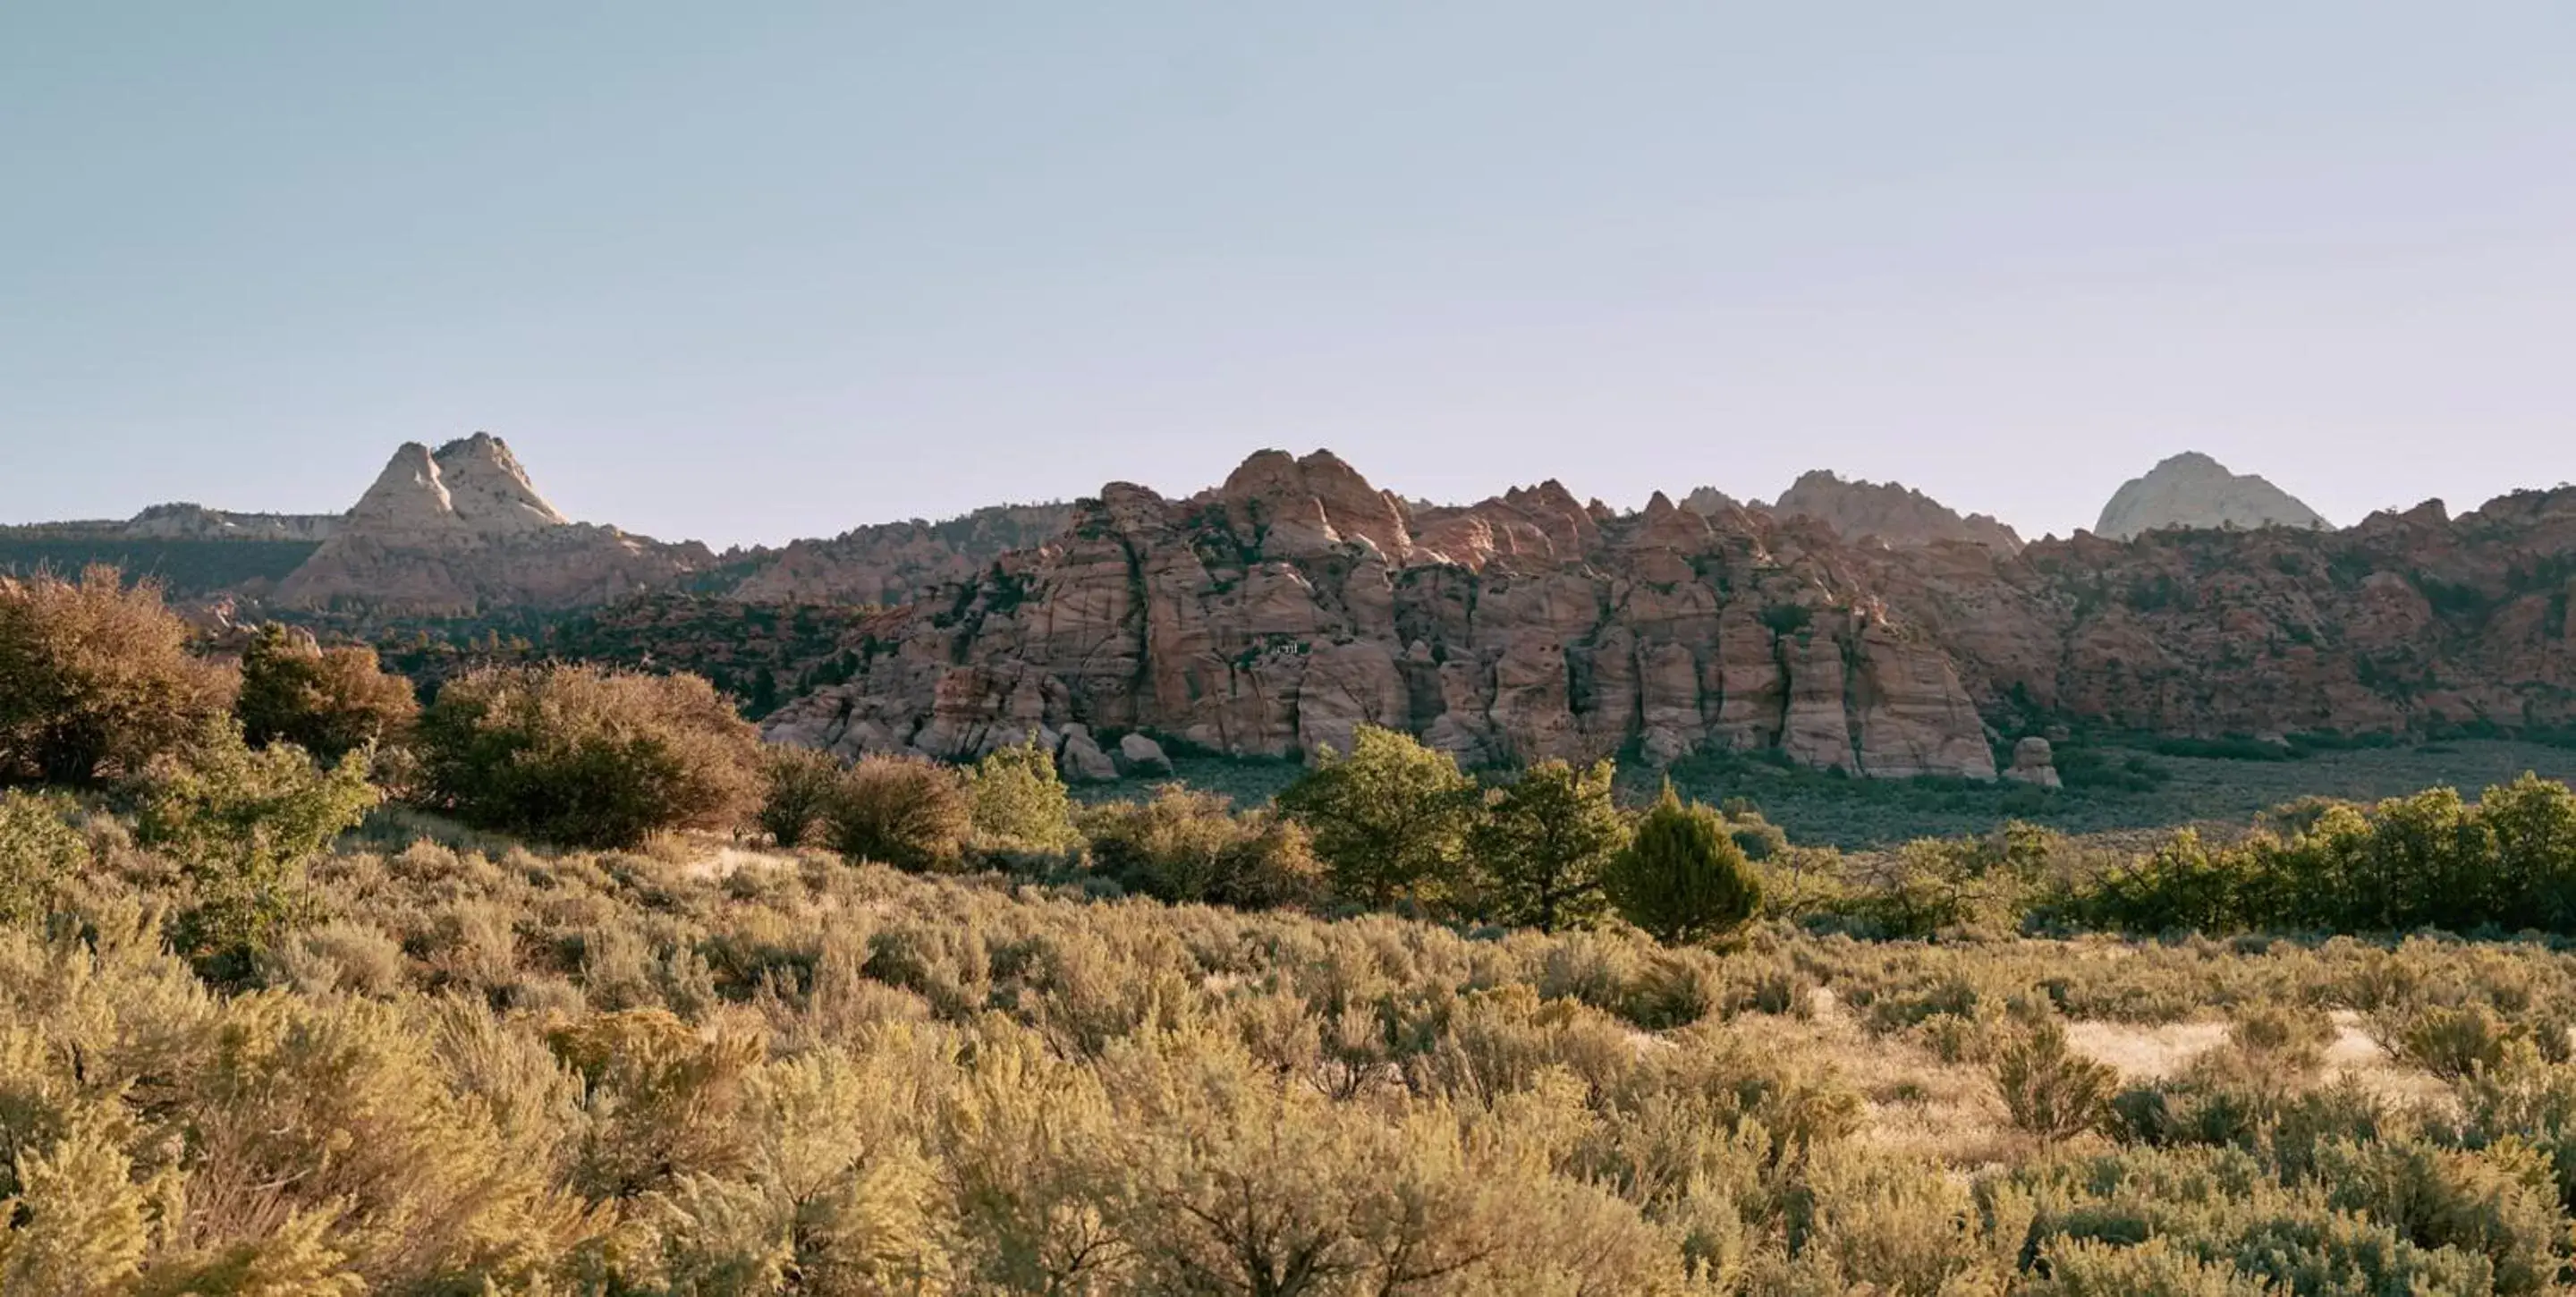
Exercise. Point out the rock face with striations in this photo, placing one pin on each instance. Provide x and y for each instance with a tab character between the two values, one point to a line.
2193	490
1275	614
461	529
1891	512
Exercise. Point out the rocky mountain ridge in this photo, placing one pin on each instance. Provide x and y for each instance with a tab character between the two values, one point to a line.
1890	512
1270	615
892	563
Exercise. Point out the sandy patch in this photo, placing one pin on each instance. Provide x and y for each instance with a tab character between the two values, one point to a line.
2144	1053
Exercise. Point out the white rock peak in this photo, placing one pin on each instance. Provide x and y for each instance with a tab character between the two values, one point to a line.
470	487
2193	490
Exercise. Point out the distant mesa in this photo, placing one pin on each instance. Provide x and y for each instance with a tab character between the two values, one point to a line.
2193	490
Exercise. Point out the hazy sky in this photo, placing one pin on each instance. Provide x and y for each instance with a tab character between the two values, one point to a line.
752	271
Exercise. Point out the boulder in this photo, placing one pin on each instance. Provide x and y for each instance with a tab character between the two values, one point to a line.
1143	757
1083	762
2034	762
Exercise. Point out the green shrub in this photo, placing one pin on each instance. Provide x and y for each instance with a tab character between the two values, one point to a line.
1018	802
1186	845
797	785
329	702
900	811
96	679
1390	819
2050	1090
243	823
1681	877
582	756
1543	843
39	852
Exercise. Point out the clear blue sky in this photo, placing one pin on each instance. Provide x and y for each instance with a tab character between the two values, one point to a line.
747	272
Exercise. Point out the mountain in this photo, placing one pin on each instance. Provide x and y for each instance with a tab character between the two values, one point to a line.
2193	490
193	551
1273	614
462	529
1270	615
1890	511
893	563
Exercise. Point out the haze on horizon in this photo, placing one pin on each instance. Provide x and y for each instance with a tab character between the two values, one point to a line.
743	277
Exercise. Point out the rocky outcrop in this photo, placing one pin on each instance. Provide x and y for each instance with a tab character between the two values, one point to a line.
462	529
2034	761
2193	490
197	522
893	563
1276	613
1889	512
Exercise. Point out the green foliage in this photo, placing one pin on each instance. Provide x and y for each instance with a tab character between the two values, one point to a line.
1186	845
96	680
1017	802
1543	843
583	756
1390	820
244	822
39	852
329	702
2429	860
1681	877
900	811
797	787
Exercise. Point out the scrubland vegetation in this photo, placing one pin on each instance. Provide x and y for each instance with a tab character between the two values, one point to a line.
565	985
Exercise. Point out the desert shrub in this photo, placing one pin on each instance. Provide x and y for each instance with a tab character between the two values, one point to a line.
1543	842
1758	838
1017	802
2092	1268
39	852
2450	1041
901	811
797	785
329	702
1187	845
243	823
1390	819
582	756
1681	877
96	679
2050	1090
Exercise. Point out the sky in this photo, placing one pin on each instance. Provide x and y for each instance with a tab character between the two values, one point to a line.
749	272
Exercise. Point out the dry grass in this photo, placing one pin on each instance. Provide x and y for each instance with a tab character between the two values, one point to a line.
2145	1053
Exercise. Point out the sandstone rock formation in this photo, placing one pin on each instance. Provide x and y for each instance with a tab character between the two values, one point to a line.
2034	761
1275	614
462	529
1139	755
1891	512
197	522
2193	490
894	563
